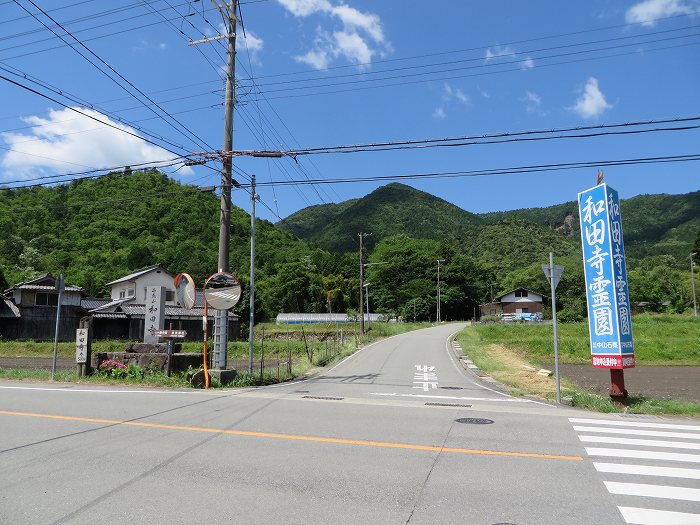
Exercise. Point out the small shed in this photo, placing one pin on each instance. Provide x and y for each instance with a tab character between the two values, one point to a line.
28	310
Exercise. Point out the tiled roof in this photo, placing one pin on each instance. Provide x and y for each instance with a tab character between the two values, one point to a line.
68	287
137	273
8	309
90	303
110	315
43	282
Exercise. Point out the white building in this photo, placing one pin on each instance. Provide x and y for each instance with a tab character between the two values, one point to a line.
133	286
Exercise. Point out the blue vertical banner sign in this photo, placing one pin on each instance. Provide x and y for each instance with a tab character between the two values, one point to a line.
609	315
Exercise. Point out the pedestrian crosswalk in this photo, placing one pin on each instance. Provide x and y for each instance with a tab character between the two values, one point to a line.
651	468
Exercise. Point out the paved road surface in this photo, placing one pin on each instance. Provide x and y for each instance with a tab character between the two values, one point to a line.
377	439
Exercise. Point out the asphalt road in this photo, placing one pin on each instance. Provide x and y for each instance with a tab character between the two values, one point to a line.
376	439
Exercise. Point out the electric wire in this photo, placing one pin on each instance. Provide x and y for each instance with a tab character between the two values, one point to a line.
496	171
171	121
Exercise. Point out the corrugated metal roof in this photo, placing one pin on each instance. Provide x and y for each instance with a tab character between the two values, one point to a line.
299	318
90	303
111	305
138	273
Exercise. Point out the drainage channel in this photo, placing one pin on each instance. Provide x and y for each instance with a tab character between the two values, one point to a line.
433	404
326	398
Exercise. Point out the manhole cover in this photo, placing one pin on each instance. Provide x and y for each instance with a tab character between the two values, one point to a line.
474	421
451	387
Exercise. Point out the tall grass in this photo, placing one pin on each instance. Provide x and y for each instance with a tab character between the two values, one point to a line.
658	340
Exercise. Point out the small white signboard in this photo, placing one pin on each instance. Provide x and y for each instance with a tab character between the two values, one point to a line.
81	345
154	314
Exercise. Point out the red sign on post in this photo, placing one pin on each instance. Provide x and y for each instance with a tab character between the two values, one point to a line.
170	334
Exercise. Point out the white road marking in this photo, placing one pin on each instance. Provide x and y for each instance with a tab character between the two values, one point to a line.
634	424
642	454
102	391
652	491
640	442
454	398
647	470
637	432
658	517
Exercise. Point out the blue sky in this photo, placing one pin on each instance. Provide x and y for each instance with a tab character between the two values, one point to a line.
328	72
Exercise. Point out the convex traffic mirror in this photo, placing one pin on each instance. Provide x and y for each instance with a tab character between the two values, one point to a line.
222	291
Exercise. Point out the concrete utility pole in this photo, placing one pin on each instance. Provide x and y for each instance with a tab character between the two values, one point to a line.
362	283
251	290
438	290
221	318
692	281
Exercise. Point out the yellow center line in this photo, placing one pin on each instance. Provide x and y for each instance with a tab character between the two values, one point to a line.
316	439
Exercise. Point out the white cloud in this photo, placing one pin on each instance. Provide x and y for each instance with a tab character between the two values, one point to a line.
352	47
360	38
464	99
317	59
484	93
528	63
66	140
251	42
447	93
305	7
532	101
592	102
439	114
354	19
163	45
498	51
647	11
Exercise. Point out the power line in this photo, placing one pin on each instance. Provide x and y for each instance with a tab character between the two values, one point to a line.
481	74
481	58
479	48
31	90
496	171
182	129
502	137
488	65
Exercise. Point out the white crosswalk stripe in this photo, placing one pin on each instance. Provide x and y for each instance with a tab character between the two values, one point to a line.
651	486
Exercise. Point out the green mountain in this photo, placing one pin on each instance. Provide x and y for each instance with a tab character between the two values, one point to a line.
390	210
99	230
653	224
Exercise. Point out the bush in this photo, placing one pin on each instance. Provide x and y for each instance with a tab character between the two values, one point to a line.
111	368
569	315
135	372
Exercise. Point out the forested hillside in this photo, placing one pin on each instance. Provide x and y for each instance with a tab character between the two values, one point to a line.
98	230
393	209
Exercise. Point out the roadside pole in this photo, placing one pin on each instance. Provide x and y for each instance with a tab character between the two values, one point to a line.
59	286
553	274
251	291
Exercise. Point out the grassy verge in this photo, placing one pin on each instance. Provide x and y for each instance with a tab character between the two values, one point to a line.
503	352
665	340
306	347
69	376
